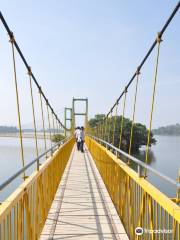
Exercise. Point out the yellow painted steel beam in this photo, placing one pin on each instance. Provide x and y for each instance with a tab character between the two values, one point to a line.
34	197
137	201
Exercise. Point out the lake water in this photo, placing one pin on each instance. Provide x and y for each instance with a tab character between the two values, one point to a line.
10	160
165	157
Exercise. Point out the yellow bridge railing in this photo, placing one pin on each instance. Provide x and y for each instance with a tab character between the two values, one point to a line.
138	203
23	214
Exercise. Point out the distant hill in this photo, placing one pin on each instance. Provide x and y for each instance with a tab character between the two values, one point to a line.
6	129
170	130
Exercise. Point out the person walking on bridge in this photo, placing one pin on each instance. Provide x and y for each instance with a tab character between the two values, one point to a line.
75	131
82	139
77	135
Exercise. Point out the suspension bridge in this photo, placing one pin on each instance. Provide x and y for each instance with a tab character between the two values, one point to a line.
92	195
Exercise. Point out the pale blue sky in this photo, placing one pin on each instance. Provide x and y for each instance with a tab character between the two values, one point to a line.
91	49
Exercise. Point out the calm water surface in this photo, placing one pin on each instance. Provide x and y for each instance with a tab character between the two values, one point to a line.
165	157
10	160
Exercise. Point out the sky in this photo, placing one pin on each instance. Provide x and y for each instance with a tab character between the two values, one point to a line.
90	49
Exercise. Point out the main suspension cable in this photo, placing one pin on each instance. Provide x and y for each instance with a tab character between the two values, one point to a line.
147	54
15	45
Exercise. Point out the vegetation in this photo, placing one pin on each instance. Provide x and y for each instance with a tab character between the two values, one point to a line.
5	129
171	130
140	133
57	138
93	122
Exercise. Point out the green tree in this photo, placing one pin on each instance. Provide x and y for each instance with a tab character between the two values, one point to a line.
93	122
57	137
140	133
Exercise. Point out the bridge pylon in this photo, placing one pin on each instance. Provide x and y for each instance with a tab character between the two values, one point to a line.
74	113
66	119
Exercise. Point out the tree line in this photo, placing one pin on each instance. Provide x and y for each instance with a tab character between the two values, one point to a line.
6	129
139	138
171	130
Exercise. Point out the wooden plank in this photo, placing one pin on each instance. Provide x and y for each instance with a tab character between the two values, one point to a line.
86	211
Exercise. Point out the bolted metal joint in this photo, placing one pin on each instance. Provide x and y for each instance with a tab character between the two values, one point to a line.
138	70
159	39
11	37
40	90
29	71
125	89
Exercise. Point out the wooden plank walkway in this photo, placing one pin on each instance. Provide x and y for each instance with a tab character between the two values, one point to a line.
82	208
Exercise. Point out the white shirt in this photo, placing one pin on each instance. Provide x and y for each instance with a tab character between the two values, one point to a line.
78	135
75	133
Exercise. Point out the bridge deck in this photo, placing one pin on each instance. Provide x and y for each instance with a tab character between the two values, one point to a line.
82	208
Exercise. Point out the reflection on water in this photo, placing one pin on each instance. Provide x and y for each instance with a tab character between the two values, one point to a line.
164	157
142	156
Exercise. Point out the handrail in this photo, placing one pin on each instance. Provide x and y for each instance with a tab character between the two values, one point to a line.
138	202
24	212
139	163
9	180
